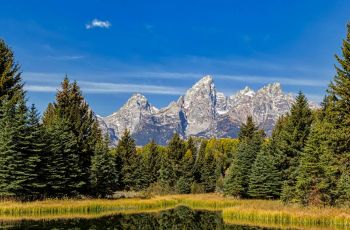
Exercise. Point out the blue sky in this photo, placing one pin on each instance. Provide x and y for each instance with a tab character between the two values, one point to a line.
160	48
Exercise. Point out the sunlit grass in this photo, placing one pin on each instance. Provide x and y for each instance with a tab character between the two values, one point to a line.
12	208
253	212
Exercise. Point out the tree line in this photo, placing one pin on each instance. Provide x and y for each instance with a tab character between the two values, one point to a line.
64	153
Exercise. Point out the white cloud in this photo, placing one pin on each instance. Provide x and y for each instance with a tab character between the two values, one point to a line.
111	88
40	88
101	87
270	79
67	57
98	23
259	79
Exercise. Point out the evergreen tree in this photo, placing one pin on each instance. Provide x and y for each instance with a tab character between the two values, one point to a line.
62	169
165	172
339	115
10	157
288	142
151	163
103	174
127	161
185	181
70	107
236	180
248	129
10	75
175	153
208	176
324	168
21	143
343	190
34	149
264	181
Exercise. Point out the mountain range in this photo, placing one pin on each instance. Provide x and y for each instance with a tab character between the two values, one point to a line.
200	112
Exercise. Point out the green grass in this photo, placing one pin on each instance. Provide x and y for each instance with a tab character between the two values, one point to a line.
252	212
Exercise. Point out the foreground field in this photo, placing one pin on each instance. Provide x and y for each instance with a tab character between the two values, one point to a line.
248	212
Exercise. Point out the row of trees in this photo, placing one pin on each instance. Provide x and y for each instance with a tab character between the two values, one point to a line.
182	166
52	158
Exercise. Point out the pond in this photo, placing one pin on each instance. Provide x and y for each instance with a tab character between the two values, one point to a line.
178	218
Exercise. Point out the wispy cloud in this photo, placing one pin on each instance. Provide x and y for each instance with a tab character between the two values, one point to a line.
253	79
98	23
260	79
40	88
99	87
67	57
111	88
269	79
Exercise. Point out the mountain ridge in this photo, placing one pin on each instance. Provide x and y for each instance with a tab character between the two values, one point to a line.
202	112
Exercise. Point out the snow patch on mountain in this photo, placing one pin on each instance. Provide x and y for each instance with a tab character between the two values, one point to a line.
201	112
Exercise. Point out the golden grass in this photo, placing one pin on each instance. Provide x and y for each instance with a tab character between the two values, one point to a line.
13	208
275	213
248	212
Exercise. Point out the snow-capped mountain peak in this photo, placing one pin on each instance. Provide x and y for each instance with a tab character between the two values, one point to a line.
202	112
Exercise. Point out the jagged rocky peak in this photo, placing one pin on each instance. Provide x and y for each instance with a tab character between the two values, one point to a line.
204	81
272	89
199	106
140	103
246	92
137	100
204	88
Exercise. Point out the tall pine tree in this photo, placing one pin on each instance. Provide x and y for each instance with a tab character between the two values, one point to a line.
103	170
236	180
71	108
127	162
264	180
288	142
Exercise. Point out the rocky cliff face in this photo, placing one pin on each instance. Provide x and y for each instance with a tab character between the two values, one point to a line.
201	112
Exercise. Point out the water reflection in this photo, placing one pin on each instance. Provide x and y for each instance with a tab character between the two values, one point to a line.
178	218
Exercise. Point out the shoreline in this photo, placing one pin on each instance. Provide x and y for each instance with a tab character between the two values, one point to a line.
254	212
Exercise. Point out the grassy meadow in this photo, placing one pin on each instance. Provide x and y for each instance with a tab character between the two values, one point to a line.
249	212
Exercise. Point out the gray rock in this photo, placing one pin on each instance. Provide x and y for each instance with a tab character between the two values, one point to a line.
201	112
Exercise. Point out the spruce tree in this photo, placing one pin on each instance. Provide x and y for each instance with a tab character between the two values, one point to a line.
288	142
175	153
151	163
236	180
338	114
208	176
127	162
62	170
71	107
264	181
247	129
316	181
10	75
34	148
20	154
20	138
9	154
185	181
103	170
